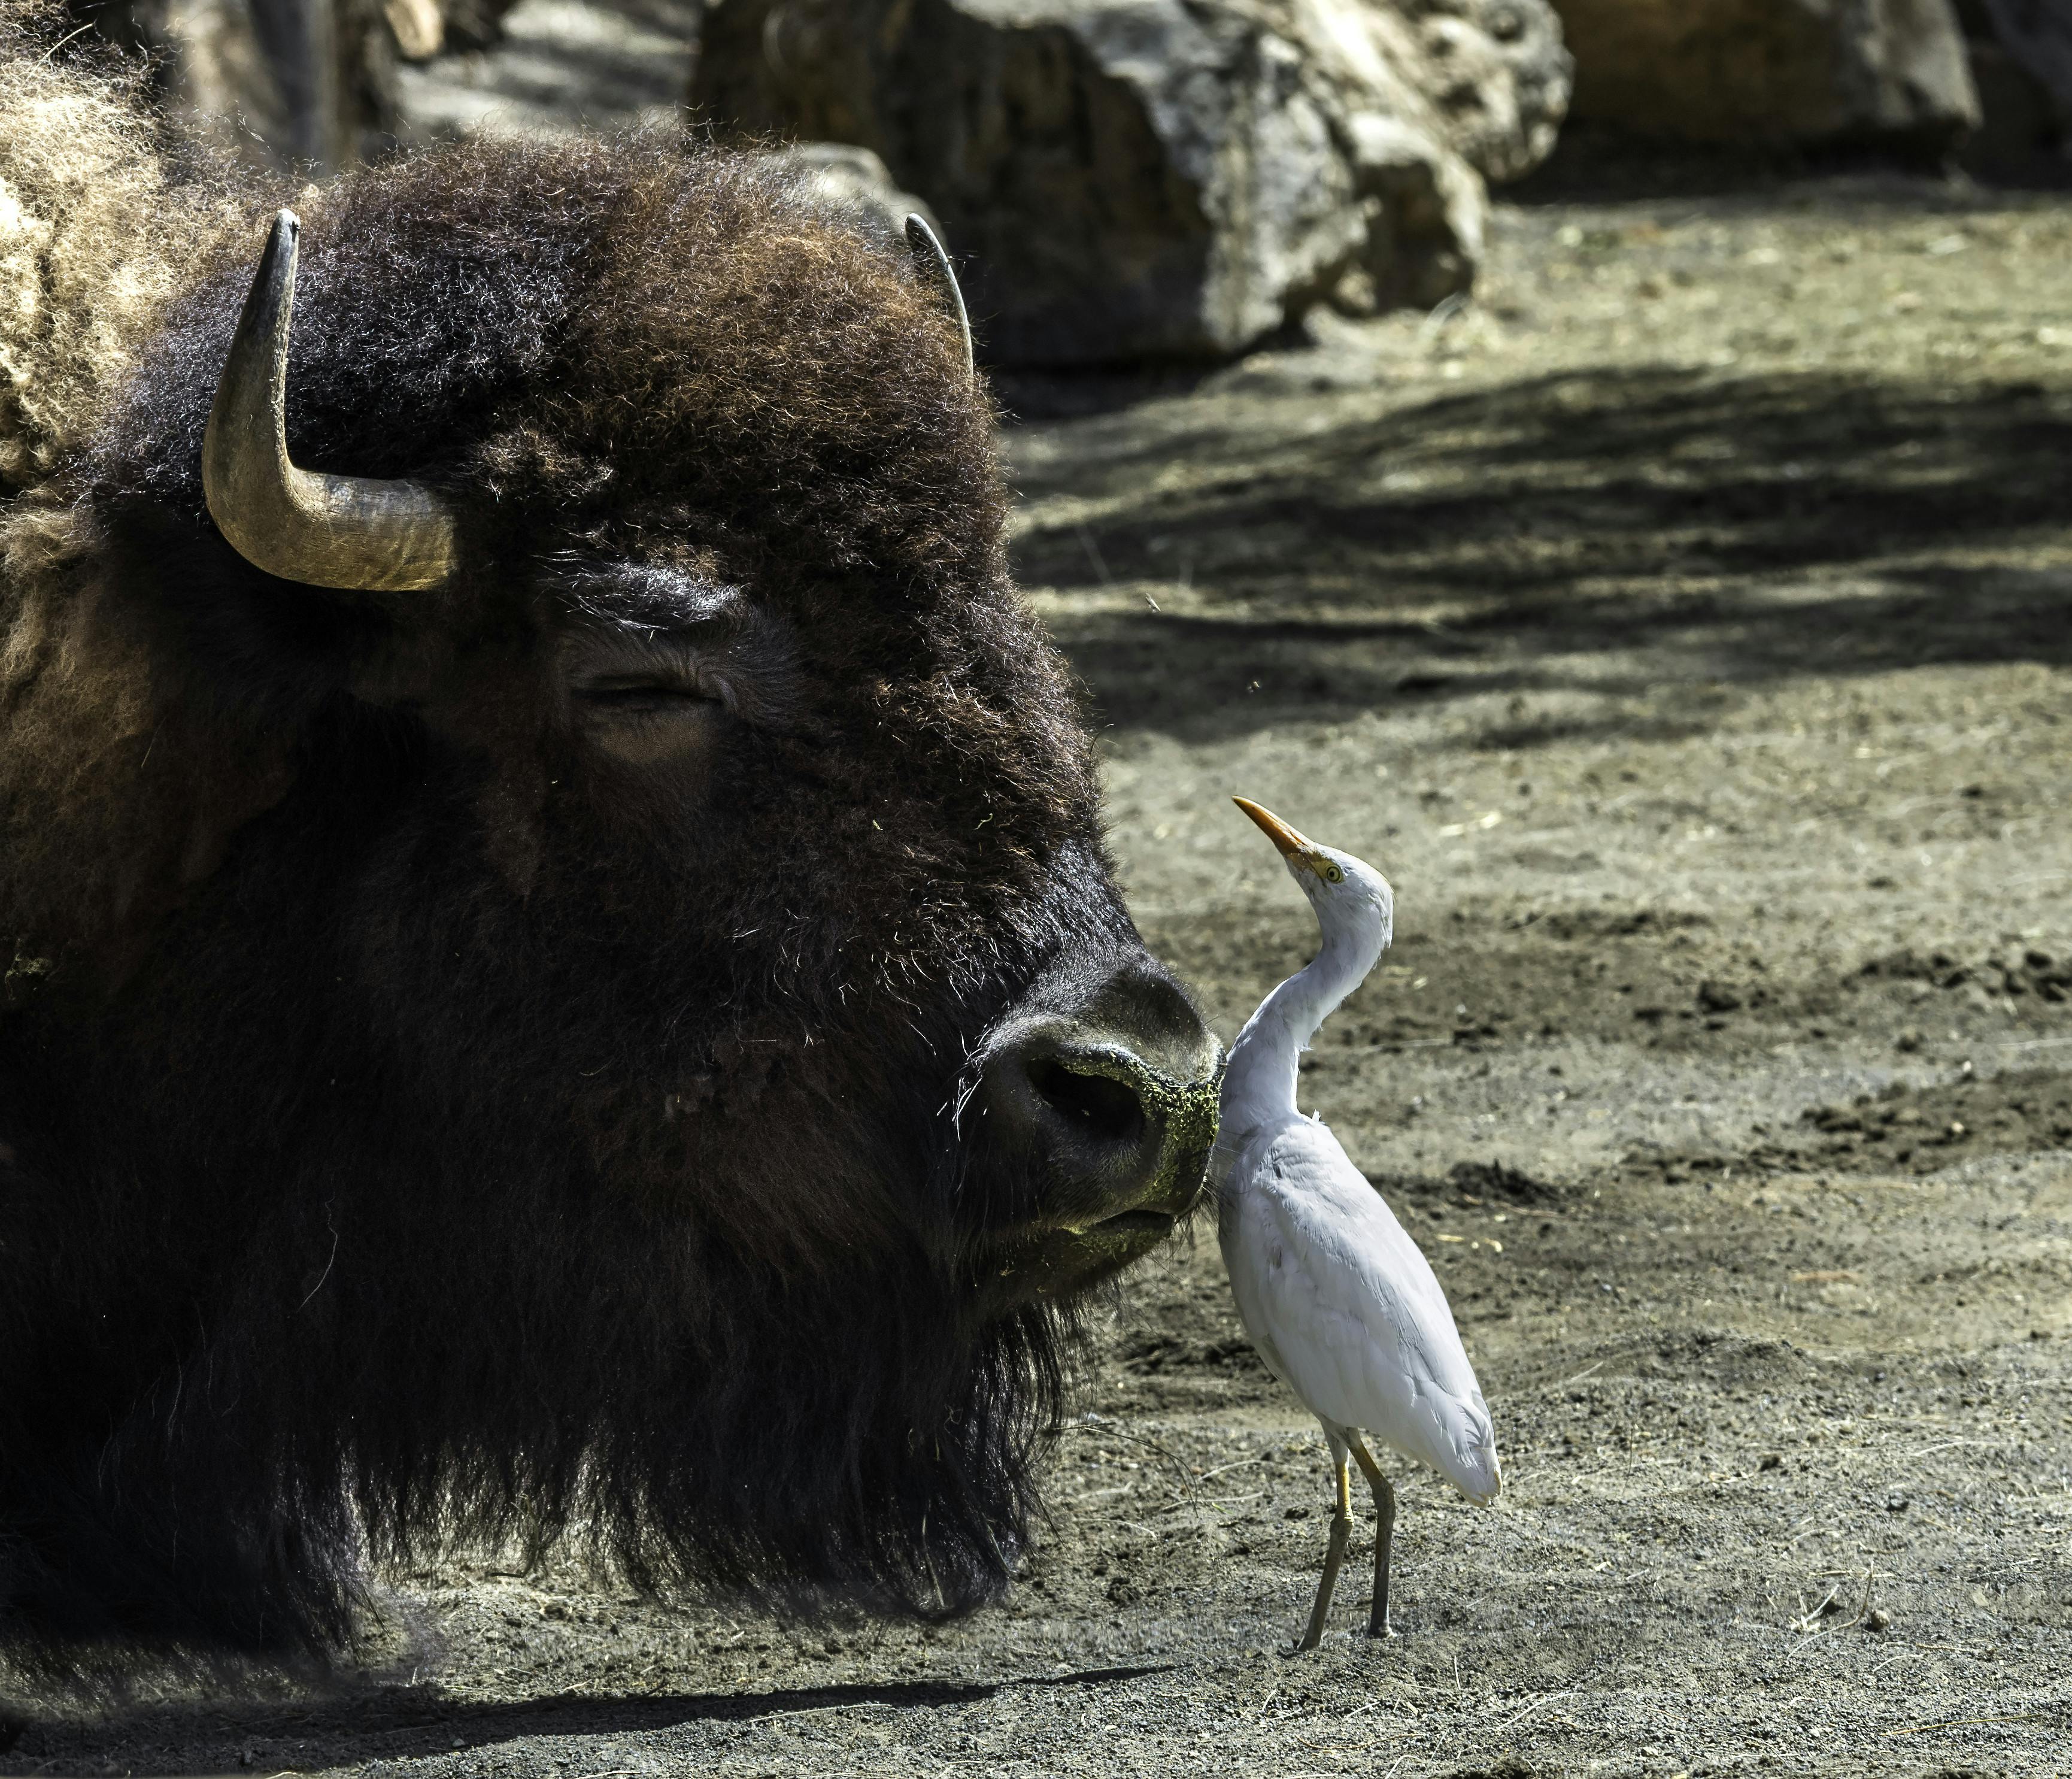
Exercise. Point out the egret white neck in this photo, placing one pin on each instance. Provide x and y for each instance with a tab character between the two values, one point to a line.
1259	1087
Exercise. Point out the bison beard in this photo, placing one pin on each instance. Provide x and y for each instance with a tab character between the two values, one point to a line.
438	1321
422	1120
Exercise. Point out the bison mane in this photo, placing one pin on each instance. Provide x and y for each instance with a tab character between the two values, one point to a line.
442	1324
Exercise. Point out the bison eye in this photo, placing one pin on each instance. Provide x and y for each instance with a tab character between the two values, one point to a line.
656	670
647	719
647	698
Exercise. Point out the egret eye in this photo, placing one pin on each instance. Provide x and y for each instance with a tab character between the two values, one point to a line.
1333	875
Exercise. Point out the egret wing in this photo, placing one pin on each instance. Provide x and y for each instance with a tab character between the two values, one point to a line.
1348	1307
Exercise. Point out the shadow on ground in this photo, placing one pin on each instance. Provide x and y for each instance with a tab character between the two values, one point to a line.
1566	516
393	1724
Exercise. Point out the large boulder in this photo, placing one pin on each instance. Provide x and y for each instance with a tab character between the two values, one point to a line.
2021	63
2038	35
302	84
2035	37
1774	74
852	183
550	67
1124	179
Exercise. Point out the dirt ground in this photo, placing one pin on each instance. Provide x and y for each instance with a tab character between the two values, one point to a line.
1686	627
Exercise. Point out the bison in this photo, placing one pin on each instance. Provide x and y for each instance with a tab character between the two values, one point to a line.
560	972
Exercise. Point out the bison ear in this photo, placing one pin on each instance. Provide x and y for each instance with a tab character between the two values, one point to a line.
340	531
934	265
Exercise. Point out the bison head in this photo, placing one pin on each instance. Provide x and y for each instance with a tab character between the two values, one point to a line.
565	970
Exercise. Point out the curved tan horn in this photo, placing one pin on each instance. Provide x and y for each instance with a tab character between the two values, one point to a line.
343	531
934	265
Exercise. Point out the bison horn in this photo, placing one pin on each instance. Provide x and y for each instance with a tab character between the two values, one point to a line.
343	531
934	265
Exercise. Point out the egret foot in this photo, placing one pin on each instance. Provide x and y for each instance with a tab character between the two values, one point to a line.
1384	1536
1335	1553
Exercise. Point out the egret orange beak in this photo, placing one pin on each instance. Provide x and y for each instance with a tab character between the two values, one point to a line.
1297	847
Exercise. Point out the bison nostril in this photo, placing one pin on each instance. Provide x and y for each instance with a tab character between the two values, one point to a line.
1101	1096
1103	1107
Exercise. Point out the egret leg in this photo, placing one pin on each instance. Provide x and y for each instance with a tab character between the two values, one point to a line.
1335	1553
1384	1536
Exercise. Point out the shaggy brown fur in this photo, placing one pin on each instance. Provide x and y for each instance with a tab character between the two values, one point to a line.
418	1119
614	350
94	237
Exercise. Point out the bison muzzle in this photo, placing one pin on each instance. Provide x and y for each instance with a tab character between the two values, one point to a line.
561	973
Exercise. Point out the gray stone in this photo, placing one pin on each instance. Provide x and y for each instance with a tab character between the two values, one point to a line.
1123	179
307	83
2038	35
853	183
2035	36
1774	74
553	68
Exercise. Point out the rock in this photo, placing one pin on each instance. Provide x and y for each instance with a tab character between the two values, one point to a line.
423	28
1774	74
1497	70
418	26
2037	36
307	83
854	182
2021	64
466	24
1123	179
553	68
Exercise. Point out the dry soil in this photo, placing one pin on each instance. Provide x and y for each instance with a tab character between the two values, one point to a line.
1686	626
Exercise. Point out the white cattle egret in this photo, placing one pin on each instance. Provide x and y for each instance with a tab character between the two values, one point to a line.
1339	1301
